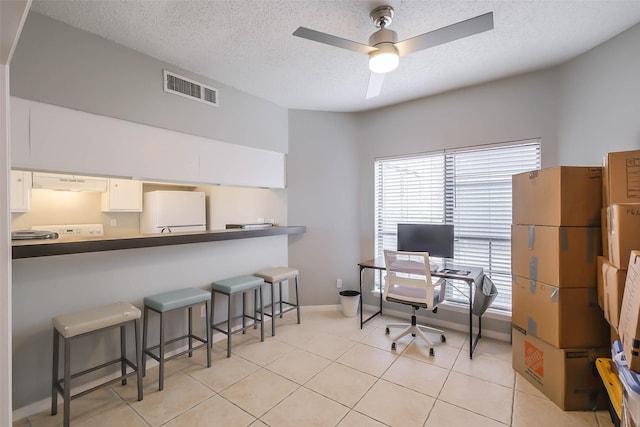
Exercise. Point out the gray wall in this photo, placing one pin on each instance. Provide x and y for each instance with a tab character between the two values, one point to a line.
58	64
600	109
323	192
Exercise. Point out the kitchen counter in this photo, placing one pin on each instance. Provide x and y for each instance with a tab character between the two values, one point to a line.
65	246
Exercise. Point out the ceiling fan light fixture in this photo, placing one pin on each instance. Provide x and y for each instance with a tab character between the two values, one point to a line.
384	59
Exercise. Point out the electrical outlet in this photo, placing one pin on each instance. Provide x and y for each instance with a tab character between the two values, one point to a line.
114	222
339	283
203	311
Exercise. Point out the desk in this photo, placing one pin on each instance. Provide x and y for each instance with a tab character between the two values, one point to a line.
474	276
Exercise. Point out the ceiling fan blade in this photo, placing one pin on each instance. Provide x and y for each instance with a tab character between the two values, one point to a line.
325	38
447	34
375	84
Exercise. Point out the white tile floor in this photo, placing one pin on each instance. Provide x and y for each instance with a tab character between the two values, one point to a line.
329	372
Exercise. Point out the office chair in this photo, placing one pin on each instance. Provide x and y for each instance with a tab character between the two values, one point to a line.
408	281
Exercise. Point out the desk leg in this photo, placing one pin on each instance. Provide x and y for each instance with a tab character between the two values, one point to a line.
362	322
361	308
473	343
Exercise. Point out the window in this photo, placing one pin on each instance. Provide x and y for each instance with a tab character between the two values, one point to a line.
469	188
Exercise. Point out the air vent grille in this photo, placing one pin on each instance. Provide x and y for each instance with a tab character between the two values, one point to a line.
178	85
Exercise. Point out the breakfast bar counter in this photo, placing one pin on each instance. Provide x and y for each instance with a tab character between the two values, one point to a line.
65	246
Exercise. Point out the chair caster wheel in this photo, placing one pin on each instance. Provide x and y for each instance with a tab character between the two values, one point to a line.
386	331
431	353
443	338
393	346
413	335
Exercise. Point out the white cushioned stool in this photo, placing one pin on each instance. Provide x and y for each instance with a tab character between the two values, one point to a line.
279	275
80	324
234	286
164	303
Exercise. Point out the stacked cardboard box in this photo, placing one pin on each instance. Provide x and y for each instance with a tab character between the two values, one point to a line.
558	327
621	226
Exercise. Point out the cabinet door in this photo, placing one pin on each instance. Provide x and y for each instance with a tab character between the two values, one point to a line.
20	191
123	195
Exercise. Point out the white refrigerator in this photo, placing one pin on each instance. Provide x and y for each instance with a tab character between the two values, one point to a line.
173	212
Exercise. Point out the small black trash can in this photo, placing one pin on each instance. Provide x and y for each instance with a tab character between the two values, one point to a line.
350	300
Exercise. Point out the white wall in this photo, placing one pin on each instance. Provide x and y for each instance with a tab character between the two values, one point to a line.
57	64
513	109
49	286
12	17
322	194
60	65
600	109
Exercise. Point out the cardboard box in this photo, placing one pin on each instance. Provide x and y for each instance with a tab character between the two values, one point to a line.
558	196
604	226
562	317
560	256
613	284
566	376
600	286
624	232
621	178
629	325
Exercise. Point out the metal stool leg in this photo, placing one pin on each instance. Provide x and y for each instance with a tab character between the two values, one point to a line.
145	327
208	332
54	375
190	331
67	382
280	289
229	327
244	319
211	321
297	300
123	354
136	326
161	361
261	310
273	309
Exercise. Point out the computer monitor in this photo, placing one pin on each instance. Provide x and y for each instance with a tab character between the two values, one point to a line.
437	239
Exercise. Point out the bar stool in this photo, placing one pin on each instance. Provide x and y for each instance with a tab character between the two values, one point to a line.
167	302
234	286
80	324
279	275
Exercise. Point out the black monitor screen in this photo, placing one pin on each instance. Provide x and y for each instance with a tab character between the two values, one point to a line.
437	239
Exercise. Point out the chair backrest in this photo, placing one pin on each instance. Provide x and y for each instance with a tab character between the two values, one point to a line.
409	279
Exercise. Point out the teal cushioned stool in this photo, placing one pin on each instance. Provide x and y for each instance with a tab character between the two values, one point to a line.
231	287
279	275
170	301
72	326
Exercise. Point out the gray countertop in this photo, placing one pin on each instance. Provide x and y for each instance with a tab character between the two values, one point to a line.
65	246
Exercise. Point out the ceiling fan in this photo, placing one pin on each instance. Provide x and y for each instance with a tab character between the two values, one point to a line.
384	49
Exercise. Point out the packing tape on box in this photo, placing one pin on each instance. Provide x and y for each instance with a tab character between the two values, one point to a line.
555	294
533	268
532	236
532	326
532	286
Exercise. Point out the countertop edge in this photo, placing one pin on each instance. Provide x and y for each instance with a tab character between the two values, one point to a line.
40	248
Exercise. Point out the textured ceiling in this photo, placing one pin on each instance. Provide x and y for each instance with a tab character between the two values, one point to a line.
247	44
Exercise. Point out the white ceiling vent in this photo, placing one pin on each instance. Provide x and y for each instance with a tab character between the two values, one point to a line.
178	85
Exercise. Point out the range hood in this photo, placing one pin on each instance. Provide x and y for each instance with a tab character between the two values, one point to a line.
55	181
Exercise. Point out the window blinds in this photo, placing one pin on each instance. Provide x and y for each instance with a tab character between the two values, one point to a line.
469	188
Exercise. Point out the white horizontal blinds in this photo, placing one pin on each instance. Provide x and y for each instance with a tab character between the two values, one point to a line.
408	190
480	208
470	189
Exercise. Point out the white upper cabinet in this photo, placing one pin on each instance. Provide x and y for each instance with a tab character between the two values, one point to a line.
52	138
20	190
123	195
231	164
